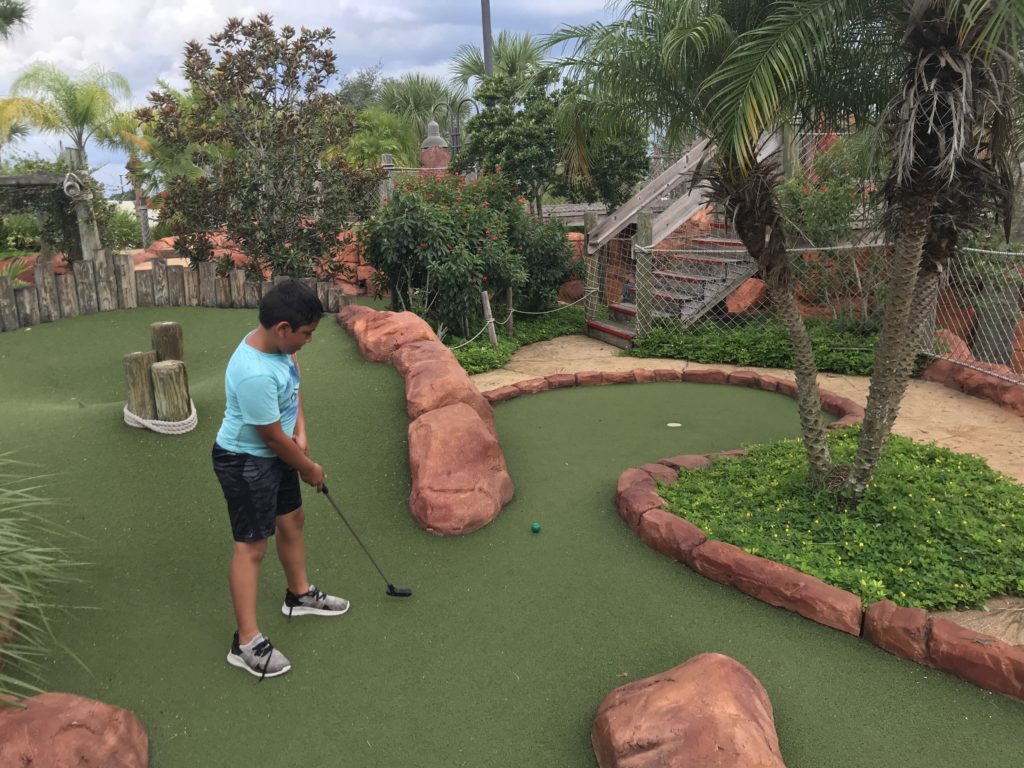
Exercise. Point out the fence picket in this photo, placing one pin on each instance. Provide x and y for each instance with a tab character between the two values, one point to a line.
8	309
207	284
160	295
85	287
67	295
144	286
46	288
237	278
176	286
127	292
106	283
27	302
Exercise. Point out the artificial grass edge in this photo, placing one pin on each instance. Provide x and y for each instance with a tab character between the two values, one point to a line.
935	529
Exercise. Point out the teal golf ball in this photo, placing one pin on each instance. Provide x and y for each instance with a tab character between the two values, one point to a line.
535	527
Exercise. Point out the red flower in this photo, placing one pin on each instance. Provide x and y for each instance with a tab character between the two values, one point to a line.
484	278
971	311
424	246
824	188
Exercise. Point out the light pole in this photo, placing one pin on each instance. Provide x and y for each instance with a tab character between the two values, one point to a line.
485	12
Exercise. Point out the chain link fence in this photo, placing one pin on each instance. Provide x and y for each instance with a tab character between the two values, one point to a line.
703	280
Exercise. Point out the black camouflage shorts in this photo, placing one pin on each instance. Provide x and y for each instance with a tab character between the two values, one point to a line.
257	489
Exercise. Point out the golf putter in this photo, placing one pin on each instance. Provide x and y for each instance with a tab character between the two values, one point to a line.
392	590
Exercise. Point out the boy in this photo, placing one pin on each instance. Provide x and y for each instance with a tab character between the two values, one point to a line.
260	452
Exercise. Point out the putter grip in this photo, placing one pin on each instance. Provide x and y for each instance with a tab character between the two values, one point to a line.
323	489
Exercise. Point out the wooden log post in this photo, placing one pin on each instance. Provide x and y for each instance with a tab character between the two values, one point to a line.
128	294
252	294
46	288
176	286
191	278
144	287
168	341
237	279
160	291
222	286
28	305
106	282
67	295
323	288
85	287
170	390
139	380
207	284
488	318
8	309
509	324
265	287
333	299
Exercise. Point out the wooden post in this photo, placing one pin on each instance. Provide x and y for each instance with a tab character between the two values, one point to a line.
67	295
46	287
323	289
488	318
87	230
144	287
170	390
237	285
333	299
85	286
160	291
191	279
106	283
252	294
140	383
222	285
265	288
344	299
207	287
278	279
8	309
176	286
590	305
168	341
509	325
128	294
28	305
643	250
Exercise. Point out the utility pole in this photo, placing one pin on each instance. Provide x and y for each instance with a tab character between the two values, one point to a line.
485	11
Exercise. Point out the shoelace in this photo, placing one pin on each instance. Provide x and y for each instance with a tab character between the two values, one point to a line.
264	648
313	593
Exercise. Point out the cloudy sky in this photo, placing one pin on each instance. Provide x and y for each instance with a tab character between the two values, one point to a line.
144	39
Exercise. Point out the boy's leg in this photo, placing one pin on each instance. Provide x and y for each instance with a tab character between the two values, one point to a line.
244	579
291	549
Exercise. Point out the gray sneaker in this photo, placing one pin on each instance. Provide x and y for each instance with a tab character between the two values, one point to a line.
259	657
314	602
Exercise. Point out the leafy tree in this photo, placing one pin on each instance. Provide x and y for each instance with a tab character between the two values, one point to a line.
421	98
516	134
362	89
13	13
270	138
382	132
81	109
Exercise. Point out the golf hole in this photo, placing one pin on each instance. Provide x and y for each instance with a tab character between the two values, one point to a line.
673	424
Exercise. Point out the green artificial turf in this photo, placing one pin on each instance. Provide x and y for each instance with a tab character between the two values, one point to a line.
512	638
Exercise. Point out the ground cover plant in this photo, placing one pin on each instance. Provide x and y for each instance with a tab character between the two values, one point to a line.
935	529
513	632
480	355
837	349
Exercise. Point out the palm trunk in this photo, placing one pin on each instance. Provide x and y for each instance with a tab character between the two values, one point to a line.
770	254
894	359
939	248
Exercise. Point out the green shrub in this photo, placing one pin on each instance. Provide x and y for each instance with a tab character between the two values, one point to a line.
19	232
161	230
30	565
124	230
764	345
935	529
481	356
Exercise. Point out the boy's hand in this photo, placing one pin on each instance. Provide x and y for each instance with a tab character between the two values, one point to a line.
314	476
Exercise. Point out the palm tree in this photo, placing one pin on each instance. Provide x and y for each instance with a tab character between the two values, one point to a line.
421	98
949	117
13	13
516	56
81	109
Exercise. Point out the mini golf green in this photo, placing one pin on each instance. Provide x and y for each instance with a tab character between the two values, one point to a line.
512	638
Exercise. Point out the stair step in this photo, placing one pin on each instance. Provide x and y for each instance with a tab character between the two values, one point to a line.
669	296
683	278
623	308
701	259
620	334
718	242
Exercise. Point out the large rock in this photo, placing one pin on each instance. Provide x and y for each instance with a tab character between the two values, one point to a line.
709	712
977	658
435	383
779	585
354	318
459	478
55	730
385	332
749	297
900	631
409	355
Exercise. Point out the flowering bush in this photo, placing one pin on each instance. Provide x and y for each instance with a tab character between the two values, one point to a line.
438	242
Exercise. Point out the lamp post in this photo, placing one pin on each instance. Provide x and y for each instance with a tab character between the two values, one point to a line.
455	121
485	13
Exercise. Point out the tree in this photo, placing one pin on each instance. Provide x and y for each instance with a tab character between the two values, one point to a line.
950	122
362	89
420	99
382	132
516	56
516	134
80	108
13	14
270	138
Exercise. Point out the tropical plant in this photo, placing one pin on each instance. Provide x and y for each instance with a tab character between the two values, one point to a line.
516	56
31	565
421	99
380	132
12	15
269	140
82	108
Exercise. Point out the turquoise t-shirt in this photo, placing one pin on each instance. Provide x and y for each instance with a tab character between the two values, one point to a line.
261	388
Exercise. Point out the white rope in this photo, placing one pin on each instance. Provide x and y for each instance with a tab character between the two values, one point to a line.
475	337
1018	254
163	427
524	312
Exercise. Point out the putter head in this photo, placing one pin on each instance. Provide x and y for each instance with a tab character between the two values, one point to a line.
394	591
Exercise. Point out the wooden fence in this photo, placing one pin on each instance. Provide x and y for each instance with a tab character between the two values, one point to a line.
112	282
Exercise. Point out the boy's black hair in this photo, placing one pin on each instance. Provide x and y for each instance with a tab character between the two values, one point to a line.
291	301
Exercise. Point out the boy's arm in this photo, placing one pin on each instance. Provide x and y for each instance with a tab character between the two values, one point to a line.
299	432
289	452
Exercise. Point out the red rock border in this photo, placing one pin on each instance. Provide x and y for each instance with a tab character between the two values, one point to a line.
910	633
